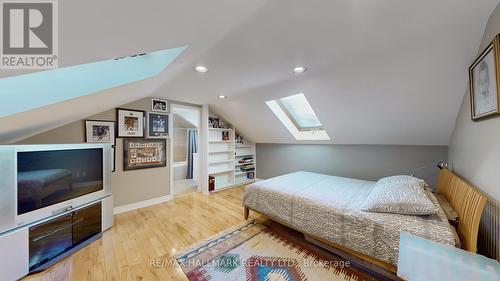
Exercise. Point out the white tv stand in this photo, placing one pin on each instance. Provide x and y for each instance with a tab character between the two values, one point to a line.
20	241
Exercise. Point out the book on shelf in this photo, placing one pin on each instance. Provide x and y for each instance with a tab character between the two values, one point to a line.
211	183
216	123
246	168
246	160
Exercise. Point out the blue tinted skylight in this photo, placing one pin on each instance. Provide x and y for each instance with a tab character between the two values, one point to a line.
25	92
300	111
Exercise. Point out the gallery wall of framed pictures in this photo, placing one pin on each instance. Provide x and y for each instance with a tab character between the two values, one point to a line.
484	83
148	129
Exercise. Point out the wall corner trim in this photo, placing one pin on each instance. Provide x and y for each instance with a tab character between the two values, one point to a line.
141	204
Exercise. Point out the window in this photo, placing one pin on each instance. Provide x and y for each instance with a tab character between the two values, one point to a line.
298	117
300	112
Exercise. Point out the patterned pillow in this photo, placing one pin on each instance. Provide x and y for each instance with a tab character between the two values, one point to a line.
401	178
398	196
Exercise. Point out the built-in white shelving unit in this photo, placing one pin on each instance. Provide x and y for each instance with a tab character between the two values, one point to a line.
231	160
220	151
221	161
221	154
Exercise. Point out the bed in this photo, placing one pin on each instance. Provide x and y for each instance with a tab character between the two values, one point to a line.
35	186
327	208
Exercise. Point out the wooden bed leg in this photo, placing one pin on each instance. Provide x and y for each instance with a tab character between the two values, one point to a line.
246	213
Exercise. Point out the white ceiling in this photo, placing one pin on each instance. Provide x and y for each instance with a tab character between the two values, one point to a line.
380	72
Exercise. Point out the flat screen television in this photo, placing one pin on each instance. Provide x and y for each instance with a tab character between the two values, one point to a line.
41	181
49	177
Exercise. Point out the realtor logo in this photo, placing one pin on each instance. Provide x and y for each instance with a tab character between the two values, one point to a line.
29	34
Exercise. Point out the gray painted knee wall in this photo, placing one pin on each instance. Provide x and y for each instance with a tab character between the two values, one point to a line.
368	162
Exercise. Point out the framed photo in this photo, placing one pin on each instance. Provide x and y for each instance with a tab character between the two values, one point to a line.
157	125
130	123
485	83
159	105
99	131
144	153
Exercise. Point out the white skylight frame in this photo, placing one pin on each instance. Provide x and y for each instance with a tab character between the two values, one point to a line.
287	119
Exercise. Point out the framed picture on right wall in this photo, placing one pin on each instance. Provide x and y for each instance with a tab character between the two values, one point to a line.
485	83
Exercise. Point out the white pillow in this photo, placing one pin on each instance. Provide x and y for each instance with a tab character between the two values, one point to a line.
399	195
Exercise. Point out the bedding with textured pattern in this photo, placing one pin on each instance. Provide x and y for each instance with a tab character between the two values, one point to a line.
329	207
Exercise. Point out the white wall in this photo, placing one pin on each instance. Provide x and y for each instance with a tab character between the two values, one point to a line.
474	153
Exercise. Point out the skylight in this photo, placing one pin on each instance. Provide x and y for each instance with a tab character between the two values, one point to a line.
25	92
298	117
300	111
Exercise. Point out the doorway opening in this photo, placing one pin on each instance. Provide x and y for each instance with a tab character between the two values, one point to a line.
185	148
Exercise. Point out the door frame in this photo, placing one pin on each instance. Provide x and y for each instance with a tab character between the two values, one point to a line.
172	106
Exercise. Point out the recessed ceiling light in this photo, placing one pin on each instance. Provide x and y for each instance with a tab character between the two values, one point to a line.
222	97
299	69
200	69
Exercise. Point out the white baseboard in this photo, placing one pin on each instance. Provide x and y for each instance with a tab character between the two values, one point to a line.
141	204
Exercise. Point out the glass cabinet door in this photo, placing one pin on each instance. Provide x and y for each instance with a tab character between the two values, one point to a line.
86	223
49	239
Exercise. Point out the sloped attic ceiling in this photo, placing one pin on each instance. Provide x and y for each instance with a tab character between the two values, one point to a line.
380	72
182	123
92	30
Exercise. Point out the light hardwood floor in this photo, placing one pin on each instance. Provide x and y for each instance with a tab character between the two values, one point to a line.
125	251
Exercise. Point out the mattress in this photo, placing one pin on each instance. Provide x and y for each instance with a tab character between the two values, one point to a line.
36	183
328	207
